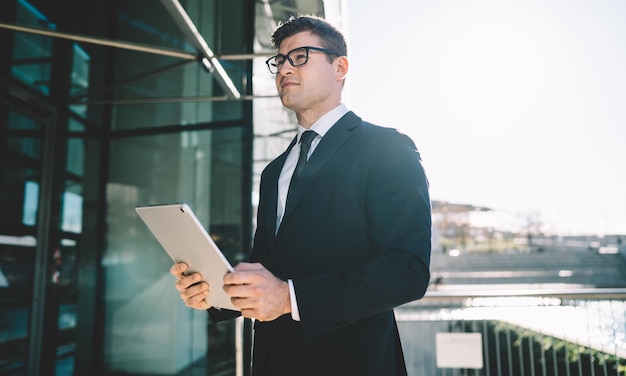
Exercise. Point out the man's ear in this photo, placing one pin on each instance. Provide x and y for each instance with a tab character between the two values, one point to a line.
342	67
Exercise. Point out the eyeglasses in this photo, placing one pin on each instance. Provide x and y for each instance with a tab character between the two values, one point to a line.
296	57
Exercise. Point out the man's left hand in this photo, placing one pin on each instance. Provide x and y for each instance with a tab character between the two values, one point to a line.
258	293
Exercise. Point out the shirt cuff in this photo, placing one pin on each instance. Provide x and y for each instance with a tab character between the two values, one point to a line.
295	314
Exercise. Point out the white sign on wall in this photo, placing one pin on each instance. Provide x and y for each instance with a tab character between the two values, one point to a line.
459	350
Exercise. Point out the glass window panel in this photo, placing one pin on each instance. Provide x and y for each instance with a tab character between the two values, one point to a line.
19	198
19	171
19	202
31	203
17	258
62	298
18	121
32	53
19	194
147	329
182	95
66	339
72	213
155	27
76	126
155	87
25	146
80	238
79	77
76	156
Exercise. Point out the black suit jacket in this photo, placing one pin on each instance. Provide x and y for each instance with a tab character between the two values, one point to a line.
355	240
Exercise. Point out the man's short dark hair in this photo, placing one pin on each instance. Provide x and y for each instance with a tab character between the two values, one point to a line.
330	36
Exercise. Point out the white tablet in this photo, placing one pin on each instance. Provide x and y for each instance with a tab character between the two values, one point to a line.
183	237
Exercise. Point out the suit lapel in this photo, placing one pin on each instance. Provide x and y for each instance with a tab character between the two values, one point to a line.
331	142
272	195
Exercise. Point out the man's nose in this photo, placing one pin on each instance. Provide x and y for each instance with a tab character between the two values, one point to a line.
286	67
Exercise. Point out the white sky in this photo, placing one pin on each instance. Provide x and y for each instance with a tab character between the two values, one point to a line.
519	106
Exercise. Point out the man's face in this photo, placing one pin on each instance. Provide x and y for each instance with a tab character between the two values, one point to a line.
314	86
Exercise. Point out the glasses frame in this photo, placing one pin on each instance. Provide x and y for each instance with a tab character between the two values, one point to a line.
272	66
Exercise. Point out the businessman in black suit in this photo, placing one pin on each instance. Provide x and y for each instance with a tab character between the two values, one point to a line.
343	228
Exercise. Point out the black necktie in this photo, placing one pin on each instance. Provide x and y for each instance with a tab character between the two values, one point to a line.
305	144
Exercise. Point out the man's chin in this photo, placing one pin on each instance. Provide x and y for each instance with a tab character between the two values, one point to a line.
287	102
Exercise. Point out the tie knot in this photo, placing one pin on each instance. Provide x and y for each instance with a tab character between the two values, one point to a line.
307	137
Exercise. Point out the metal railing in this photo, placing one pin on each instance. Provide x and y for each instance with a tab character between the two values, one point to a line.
572	332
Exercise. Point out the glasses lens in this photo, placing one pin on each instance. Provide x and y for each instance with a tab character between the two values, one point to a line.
275	63
299	56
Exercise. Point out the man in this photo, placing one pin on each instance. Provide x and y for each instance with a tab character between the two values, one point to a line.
336	249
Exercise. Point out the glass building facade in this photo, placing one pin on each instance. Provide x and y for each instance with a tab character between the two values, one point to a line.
104	106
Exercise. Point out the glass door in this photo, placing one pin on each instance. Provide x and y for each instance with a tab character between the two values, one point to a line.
41	220
21	181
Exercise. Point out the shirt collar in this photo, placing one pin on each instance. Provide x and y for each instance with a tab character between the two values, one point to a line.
323	124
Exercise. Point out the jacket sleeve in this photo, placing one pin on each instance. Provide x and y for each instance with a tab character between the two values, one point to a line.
217	315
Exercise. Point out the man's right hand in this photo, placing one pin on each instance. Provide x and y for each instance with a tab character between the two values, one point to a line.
190	289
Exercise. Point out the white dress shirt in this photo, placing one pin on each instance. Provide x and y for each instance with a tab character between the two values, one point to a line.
321	127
